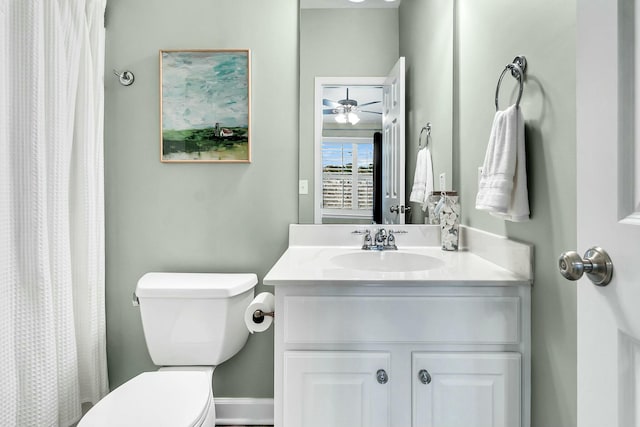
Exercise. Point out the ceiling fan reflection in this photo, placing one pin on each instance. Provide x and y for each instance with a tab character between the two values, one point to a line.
346	110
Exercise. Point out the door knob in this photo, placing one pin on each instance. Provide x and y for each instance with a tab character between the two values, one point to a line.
382	376
596	263
424	376
400	209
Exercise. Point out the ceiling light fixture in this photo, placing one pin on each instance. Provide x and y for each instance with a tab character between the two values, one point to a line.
347	115
346	110
353	118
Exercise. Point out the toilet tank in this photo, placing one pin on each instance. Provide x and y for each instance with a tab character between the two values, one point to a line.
194	319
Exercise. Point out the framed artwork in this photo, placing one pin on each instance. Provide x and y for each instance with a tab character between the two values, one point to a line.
205	106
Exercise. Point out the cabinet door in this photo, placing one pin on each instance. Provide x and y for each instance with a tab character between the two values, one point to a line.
466	390
336	389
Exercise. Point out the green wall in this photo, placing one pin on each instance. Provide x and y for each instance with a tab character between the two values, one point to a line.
209	217
196	217
489	35
339	43
426	41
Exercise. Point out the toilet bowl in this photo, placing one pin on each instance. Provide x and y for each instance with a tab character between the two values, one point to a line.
192	322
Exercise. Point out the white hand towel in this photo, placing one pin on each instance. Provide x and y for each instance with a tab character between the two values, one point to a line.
503	184
422	178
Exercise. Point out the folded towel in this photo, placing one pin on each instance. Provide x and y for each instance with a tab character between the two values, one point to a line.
503	184
422	178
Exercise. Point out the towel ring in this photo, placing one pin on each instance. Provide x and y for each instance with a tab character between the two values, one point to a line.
426	128
517	68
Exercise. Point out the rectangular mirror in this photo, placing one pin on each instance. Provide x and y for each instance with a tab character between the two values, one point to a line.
365	40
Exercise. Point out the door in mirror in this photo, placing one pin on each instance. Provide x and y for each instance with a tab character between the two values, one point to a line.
357	181
393	146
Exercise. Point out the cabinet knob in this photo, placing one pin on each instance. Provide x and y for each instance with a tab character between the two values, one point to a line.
382	376
424	376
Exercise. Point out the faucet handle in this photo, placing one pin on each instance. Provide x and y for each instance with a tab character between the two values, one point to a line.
366	241
391	241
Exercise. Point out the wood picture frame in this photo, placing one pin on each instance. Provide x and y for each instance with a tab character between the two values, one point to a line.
205	106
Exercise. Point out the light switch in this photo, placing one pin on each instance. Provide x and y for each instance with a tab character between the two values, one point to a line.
443	182
303	186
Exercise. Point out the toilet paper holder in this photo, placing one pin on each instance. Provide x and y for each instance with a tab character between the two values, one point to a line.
258	315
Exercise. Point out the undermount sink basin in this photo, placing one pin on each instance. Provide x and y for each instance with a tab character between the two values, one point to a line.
386	261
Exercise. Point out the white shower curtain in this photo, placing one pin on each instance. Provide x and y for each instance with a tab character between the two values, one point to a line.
52	325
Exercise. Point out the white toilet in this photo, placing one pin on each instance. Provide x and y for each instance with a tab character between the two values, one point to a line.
192	322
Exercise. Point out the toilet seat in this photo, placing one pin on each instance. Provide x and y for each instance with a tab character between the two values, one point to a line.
155	399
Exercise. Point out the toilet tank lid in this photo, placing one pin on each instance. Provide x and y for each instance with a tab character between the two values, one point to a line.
194	285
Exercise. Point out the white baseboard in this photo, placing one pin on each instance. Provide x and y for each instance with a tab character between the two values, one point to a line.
243	411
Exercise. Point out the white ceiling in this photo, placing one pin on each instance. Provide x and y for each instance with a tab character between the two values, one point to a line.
345	4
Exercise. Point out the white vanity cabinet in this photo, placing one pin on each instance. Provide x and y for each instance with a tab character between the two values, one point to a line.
401	356
467	389
338	389
417	337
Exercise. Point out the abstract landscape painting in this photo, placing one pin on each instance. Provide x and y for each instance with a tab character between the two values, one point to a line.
205	105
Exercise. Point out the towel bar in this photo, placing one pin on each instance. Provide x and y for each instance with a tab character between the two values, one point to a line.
518	68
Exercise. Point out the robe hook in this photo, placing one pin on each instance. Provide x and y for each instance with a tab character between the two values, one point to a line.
126	77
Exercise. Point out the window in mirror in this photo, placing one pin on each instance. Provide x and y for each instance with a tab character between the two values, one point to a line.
347	178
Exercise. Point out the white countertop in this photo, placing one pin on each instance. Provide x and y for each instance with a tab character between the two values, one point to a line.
488	259
313	265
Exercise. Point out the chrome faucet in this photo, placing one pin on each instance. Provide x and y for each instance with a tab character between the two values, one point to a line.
383	240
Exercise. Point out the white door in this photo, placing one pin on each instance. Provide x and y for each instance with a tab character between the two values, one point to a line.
393	145
466	390
336	389
608	201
